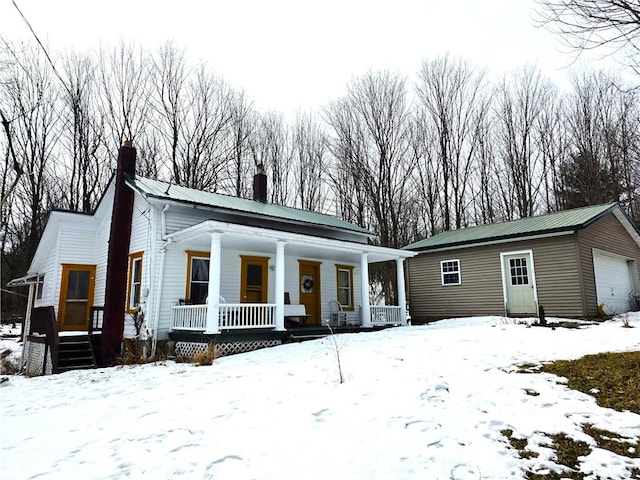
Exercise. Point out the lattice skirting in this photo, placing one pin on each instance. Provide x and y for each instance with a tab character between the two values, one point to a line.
187	350
35	359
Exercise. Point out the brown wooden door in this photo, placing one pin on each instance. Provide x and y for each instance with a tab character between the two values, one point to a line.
76	296
254	279
309	282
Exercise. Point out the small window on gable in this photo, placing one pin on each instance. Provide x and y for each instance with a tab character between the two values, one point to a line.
134	292
450	272
39	287
344	292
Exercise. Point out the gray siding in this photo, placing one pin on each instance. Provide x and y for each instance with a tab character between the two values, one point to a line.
606	234
481	292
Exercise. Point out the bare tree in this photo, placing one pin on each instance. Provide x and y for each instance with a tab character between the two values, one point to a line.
309	149
348	148
454	101
372	138
519	108
270	147
83	173
592	172
588	24
124	100
242	128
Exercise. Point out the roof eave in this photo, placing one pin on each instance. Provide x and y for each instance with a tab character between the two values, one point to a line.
499	239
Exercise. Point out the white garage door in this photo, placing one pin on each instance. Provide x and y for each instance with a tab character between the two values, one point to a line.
613	284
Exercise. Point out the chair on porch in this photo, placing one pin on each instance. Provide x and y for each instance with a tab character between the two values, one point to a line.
338	316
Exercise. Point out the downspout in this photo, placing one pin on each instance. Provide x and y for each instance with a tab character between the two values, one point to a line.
163	252
27	325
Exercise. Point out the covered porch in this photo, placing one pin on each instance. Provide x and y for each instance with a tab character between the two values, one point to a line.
292	290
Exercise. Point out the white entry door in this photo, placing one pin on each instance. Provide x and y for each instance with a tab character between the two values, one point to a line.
613	283
519	284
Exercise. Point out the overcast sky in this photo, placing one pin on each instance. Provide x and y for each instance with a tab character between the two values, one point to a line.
300	54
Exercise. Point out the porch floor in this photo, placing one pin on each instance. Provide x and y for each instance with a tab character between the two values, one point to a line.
295	334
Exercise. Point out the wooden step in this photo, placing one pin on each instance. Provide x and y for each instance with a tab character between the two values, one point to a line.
75	353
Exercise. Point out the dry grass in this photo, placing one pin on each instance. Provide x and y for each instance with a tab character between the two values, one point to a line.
612	378
206	357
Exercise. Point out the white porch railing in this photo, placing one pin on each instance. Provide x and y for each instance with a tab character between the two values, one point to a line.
232	316
247	315
189	317
385	315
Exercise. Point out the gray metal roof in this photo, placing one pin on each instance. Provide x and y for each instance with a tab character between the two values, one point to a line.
552	223
177	193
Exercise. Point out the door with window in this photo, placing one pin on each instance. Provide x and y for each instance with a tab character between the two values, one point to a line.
254	279
519	283
310	290
76	296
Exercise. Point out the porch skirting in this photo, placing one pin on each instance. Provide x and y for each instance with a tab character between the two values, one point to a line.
188	350
37	359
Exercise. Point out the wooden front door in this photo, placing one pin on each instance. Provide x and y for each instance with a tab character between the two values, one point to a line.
254	279
76	296
309	284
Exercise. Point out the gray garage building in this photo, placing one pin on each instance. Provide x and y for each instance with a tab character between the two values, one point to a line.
569	262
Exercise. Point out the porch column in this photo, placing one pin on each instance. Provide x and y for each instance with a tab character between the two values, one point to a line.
364	285
402	297
213	299
280	286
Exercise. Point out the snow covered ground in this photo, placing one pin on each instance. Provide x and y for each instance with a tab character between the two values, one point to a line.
417	403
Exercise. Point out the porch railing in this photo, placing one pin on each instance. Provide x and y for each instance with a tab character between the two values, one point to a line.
247	315
232	316
385	315
189	317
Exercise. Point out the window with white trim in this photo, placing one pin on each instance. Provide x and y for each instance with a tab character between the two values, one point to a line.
39	287
197	277
450	272
344	282
135	281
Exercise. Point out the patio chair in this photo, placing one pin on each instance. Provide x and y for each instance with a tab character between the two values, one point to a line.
338	316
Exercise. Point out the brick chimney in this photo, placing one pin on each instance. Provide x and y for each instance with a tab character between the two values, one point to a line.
260	185
118	258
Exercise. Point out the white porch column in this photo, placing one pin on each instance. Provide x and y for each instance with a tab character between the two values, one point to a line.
213	299
364	285
402	297
280	286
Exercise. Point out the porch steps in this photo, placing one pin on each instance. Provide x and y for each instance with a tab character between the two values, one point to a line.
75	353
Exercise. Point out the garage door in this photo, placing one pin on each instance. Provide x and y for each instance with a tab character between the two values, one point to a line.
613	283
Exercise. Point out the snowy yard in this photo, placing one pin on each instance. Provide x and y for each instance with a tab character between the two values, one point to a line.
418	403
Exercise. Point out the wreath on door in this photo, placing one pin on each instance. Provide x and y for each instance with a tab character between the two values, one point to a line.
307	284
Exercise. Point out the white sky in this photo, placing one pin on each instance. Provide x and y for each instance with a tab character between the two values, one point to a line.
293	54
417	403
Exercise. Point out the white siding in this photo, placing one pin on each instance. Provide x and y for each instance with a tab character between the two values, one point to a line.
175	281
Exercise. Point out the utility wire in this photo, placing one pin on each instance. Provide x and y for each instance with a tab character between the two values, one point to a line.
46	53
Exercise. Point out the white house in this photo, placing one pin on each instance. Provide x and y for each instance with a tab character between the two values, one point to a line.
202	264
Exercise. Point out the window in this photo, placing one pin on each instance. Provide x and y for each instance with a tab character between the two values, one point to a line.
518	270
197	277
344	274
135	281
450	271
39	287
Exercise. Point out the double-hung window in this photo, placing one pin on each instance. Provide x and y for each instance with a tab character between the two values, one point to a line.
197	277
134	291
344	274
450	272
39	287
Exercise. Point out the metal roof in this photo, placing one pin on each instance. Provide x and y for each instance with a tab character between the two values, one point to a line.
549	224
177	193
